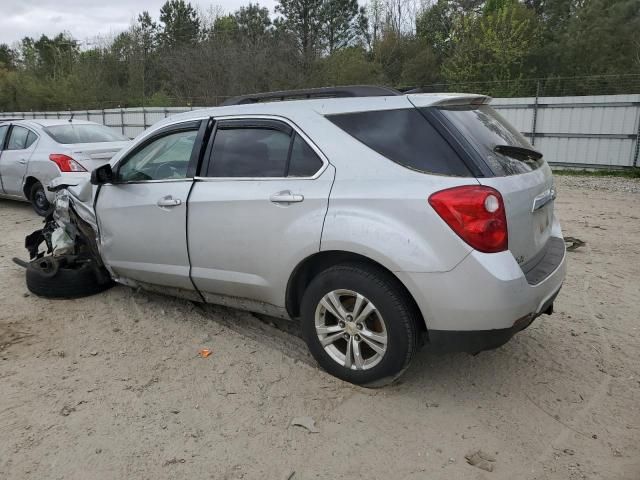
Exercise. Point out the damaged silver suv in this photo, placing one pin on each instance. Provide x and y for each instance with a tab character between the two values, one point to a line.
380	221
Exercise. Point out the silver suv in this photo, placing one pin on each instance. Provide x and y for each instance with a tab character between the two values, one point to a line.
379	220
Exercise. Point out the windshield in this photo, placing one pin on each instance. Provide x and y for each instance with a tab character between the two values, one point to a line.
83	133
486	129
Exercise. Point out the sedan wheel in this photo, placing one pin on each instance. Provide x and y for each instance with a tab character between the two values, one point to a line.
39	200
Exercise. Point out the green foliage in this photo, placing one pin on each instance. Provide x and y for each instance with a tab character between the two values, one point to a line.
178	56
180	24
494	46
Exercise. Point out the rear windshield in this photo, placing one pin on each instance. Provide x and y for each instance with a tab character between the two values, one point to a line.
486	129
405	137
83	133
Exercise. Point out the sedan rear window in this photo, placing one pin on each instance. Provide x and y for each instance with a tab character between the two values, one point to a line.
405	137
492	136
83	133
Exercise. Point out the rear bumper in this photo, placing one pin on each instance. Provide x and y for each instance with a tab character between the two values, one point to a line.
486	293
474	341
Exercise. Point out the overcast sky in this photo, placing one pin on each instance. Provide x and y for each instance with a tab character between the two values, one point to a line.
85	19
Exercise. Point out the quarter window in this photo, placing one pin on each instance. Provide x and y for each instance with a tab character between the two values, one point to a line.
165	158
20	138
403	136
304	161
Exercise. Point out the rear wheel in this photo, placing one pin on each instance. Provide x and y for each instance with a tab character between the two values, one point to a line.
360	325
38	198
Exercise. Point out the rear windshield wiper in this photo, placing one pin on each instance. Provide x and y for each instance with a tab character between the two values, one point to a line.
519	153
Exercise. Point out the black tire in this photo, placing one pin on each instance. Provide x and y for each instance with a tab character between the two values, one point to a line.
62	281
397	310
38	199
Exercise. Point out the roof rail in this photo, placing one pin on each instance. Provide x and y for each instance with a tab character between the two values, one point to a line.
323	92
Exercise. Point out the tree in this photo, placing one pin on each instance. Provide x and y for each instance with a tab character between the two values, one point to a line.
494	47
253	22
340	27
180	24
303	21
7	57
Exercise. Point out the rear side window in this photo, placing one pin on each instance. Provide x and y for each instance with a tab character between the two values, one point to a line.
249	152
261	152
486	129
20	138
83	133
403	136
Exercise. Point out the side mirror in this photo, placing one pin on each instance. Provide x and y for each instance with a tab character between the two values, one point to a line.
102	175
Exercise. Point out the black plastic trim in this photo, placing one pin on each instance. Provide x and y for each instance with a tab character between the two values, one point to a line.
541	266
468	153
309	93
456	140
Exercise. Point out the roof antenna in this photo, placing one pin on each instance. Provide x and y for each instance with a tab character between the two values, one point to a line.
71	117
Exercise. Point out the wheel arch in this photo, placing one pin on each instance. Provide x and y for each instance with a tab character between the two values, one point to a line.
311	266
27	184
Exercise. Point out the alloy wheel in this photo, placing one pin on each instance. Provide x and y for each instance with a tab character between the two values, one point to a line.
351	330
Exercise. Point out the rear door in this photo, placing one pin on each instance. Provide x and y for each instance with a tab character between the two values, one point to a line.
15	157
256	210
142	215
518	172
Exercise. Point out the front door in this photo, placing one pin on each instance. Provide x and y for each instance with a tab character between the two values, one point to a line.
256	210
142	214
14	159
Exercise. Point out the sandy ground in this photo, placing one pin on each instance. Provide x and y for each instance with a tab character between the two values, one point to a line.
111	387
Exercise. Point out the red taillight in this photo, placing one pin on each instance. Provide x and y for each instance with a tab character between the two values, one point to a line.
476	214
66	163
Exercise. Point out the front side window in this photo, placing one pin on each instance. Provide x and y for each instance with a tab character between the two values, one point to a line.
164	158
405	137
20	138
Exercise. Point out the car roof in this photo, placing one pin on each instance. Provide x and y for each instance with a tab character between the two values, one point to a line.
326	106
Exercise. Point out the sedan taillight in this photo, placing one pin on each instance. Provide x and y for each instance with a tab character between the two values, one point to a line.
66	163
476	213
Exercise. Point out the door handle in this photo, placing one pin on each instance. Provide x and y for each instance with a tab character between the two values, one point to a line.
22	161
286	197
169	201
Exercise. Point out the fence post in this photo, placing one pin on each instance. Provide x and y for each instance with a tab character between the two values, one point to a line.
535	114
122	120
144	117
104	119
636	154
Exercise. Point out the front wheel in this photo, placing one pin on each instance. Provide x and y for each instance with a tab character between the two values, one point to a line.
360	324
39	201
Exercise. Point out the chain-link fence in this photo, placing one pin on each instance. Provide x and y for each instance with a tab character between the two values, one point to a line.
544	87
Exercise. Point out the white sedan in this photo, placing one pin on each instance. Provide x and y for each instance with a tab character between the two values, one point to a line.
34	152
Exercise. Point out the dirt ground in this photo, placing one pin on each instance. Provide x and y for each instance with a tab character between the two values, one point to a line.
111	386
